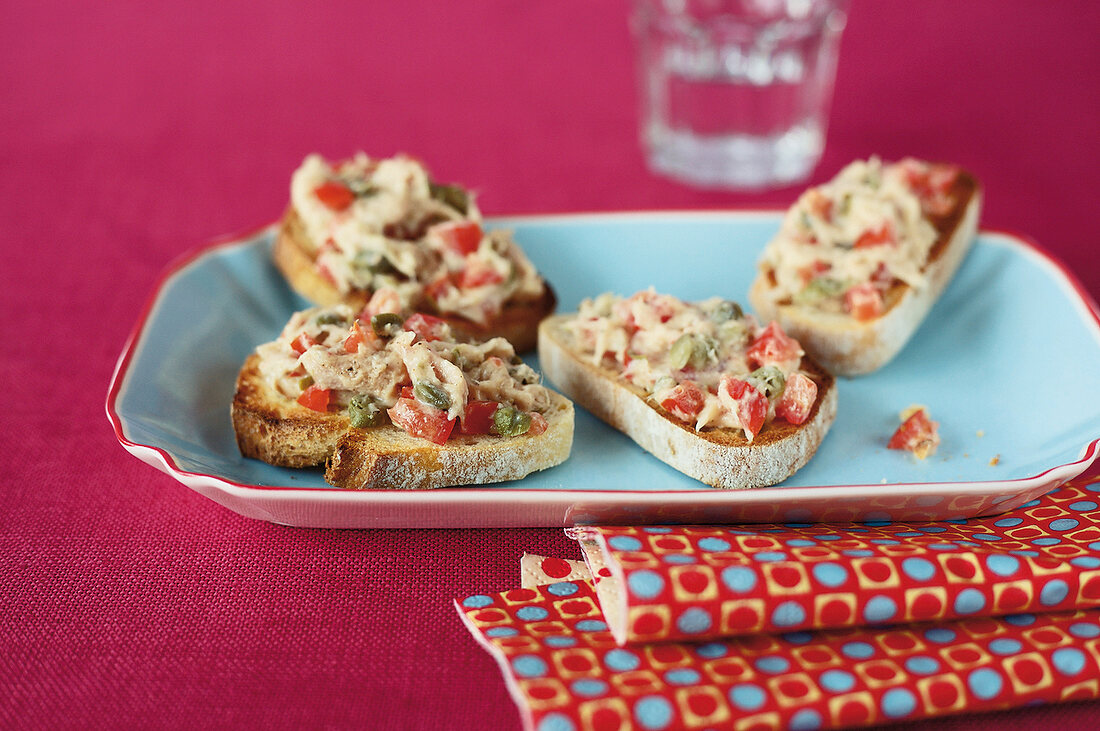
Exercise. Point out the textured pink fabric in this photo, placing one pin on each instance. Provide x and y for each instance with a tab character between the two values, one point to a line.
133	132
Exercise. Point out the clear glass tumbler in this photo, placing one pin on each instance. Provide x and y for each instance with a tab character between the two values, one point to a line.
736	93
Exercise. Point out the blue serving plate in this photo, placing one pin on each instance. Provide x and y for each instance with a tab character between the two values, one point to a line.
1008	362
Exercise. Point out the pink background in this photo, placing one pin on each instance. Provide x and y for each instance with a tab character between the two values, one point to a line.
134	132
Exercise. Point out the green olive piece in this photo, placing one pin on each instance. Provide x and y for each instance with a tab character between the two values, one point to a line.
386	324
727	310
372	262
453	195
305	382
363	413
331	318
432	394
508	421
691	349
769	380
680	352
820	289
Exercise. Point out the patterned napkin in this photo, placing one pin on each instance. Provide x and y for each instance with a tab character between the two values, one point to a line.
804	626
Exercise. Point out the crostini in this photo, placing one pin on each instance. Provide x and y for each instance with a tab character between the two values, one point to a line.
700	386
361	225
396	403
859	261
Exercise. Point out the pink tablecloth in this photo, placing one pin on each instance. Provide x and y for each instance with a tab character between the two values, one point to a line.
133	132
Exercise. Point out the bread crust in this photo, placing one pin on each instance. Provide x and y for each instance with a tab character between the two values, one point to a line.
294	255
277	430
721	458
849	347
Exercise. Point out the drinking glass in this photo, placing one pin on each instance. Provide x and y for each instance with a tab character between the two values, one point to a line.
736	93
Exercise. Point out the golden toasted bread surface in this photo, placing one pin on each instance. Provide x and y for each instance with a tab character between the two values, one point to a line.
275	429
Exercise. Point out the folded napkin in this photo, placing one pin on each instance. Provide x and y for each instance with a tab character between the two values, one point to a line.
804	626
695	583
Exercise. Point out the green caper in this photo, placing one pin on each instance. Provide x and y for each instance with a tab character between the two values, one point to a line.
769	380
386	324
733	331
691	349
820	289
372	262
680	353
465	357
453	195
363	413
508	421
726	310
664	383
305	382
331	318
432	394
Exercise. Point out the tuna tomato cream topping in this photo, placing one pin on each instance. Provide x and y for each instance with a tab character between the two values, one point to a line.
379	367
707	364
386	224
844	244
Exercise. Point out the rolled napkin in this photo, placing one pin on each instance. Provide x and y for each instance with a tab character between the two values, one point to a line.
703	582
566	672
804	626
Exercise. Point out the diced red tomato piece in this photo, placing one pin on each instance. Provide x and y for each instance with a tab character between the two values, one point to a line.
407	392
438	289
421	420
383	300
358	336
463	237
426	327
315	398
334	195
752	406
917	434
811	271
773	346
685	402
301	343
539	424
797	399
479	274
882	278
752	411
932	183
877	237
478	418
735	387
864	301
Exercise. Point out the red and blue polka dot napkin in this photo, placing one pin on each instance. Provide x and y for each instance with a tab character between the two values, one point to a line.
805	626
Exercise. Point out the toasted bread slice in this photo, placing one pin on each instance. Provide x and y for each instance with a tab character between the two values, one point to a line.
275	429
718	457
294	255
847	346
